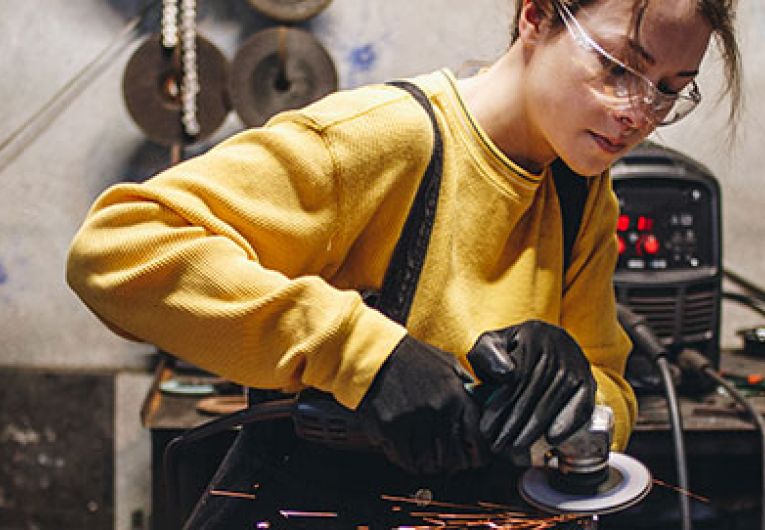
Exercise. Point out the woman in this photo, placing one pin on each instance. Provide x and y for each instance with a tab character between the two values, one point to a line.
248	260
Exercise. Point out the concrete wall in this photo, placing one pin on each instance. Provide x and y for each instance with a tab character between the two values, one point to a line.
58	154
61	144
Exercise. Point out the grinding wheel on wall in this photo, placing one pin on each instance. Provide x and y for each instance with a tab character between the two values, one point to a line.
151	89
279	69
290	10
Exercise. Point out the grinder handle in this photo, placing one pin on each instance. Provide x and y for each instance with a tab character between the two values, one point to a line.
319	418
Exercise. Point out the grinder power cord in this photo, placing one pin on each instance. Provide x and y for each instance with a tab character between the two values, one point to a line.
646	342
691	360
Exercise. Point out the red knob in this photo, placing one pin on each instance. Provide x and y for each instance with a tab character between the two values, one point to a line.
650	244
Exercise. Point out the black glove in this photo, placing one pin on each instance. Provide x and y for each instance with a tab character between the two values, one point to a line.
541	381
418	411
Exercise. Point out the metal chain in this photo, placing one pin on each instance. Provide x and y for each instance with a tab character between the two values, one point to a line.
190	80
169	23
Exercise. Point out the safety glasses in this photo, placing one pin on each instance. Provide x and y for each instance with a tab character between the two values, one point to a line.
623	87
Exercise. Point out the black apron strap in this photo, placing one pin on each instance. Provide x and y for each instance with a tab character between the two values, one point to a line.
405	266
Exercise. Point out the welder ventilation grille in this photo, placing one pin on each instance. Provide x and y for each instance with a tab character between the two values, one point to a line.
677	314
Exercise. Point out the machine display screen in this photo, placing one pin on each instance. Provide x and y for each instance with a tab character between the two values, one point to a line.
663	224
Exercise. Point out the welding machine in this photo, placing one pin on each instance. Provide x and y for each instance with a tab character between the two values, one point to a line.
669	269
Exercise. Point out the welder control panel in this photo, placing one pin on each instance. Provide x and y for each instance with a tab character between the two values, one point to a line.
664	224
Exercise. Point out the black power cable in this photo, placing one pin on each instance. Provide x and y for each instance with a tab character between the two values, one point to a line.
692	360
755	290
753	303
645	341
271	410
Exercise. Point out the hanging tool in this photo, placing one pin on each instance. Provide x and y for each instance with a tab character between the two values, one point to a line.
290	10
151	87
279	69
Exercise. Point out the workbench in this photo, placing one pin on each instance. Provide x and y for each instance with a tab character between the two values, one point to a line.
723	451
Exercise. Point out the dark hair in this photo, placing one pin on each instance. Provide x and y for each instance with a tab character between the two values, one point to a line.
720	14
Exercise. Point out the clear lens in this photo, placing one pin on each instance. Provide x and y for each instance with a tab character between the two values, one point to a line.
681	105
622	87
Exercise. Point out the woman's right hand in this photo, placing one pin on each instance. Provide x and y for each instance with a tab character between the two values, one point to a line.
419	412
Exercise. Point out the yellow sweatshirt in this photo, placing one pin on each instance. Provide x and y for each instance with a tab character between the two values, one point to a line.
246	260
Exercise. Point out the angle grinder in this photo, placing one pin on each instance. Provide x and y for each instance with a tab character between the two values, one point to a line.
580	475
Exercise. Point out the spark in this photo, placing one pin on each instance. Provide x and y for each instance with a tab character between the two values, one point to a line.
506	508
681	490
237	494
297	513
479	516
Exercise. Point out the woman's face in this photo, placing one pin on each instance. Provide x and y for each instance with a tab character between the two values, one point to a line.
572	105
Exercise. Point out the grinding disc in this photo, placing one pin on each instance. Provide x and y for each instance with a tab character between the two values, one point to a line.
151	89
290	10
279	69
629	482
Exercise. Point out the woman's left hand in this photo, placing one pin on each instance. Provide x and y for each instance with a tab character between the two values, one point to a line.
542	385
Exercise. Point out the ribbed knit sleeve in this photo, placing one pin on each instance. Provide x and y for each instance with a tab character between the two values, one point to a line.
226	259
589	306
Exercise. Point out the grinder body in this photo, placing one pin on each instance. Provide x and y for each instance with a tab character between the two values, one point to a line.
579	475
318	418
581	460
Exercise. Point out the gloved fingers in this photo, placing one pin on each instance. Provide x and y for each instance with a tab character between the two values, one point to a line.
497	408
524	406
490	360
545	411
574	414
423	448
455	442
444	458
450	441
373	432
394	455
472	447
401	446
446	452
